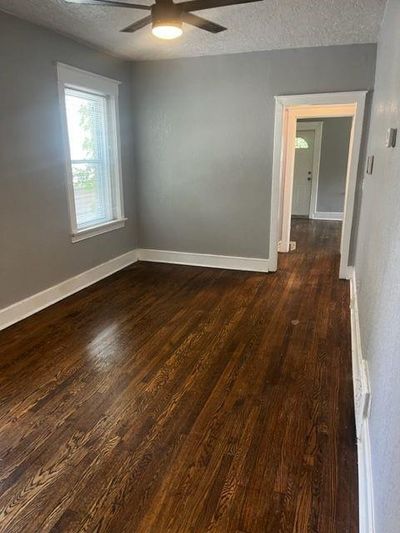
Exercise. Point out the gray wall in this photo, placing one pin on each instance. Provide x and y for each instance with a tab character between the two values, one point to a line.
333	163
378	276
202	129
204	139
35	243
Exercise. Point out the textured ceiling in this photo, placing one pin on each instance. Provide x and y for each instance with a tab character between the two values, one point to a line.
265	25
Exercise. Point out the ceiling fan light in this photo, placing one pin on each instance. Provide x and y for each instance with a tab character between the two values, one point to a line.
167	30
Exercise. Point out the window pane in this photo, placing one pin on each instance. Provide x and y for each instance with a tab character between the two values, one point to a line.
301	143
87	134
90	202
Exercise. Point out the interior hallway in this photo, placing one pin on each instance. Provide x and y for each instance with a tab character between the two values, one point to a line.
174	398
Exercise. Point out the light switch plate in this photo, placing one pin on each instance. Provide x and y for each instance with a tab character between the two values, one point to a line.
391	135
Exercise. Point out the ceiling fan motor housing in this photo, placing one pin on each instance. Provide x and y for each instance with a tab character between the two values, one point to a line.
167	17
165	12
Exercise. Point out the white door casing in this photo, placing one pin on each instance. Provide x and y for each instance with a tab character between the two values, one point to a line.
287	110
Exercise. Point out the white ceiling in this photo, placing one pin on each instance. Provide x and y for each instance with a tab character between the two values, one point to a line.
265	25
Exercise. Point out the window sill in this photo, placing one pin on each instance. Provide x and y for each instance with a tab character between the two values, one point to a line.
86	233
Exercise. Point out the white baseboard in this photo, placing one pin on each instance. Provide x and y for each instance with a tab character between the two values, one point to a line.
365	486
204	260
33	304
362	398
348	272
24	308
326	215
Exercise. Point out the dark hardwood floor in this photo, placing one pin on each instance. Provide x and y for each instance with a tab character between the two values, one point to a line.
180	399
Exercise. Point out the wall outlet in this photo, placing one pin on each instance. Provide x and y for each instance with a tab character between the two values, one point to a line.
391	135
370	164
366	399
362	401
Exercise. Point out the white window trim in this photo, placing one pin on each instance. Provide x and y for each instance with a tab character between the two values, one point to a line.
75	78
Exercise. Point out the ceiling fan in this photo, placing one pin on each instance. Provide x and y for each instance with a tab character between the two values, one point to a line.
167	17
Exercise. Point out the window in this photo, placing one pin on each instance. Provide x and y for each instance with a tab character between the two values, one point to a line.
90	118
301	143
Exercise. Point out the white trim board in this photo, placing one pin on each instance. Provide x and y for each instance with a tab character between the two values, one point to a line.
365	487
311	106
251	264
24	308
362	398
327	215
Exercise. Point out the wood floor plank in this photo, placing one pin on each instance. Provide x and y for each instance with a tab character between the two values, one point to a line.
170	398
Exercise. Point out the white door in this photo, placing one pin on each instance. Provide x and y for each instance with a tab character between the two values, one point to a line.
302	178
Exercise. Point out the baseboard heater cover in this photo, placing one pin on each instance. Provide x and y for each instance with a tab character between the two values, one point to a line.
362	401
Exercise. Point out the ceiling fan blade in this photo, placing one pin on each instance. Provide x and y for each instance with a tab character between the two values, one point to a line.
201	23
196	5
108	3
137	25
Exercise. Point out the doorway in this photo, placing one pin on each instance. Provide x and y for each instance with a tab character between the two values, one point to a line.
288	110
